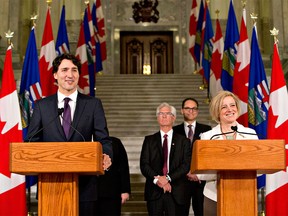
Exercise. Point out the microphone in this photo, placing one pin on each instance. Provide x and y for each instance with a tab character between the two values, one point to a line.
73	127
59	113
234	128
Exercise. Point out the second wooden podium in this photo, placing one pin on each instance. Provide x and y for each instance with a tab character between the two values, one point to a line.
58	165
237	163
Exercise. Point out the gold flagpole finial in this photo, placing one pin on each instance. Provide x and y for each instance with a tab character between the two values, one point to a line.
9	35
34	18
217	13
86	3
49	2
274	32
254	17
244	2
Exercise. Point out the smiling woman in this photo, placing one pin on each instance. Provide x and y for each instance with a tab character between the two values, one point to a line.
224	109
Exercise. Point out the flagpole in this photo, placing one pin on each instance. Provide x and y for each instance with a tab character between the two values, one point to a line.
33	18
261	190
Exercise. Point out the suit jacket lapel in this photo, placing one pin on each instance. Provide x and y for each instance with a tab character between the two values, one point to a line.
54	103
158	143
197	132
172	149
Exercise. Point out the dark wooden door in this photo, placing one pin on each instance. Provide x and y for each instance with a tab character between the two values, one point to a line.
143	52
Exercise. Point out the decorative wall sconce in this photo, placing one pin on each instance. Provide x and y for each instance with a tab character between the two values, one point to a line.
145	11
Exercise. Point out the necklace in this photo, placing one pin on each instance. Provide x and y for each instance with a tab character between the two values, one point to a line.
230	137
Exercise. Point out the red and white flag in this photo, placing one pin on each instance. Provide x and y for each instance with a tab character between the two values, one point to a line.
277	183
193	29
216	61
81	54
99	24
241	71
12	186
47	55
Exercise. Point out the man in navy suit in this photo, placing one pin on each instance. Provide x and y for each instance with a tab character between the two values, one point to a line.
88	123
190	110
166	186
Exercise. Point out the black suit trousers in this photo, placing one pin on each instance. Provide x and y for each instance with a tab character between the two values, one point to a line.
165	205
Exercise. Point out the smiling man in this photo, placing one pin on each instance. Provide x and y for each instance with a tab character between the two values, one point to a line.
83	120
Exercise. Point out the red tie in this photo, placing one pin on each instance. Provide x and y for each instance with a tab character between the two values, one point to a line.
165	154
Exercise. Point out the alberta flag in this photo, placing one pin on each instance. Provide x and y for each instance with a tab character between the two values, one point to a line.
258	90
230	50
258	96
30	89
207	48
62	42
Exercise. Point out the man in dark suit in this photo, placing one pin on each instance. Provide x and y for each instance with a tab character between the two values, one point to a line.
87	118
190	110
114	186
165	161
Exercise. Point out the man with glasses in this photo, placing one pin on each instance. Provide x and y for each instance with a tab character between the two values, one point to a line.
165	161
191	129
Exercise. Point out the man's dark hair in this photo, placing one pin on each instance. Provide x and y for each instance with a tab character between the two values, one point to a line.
190	98
57	61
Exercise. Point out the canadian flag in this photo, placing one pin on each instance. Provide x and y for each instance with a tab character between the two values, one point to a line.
241	71
12	186
81	54
216	61
277	183
99	24
47	55
193	29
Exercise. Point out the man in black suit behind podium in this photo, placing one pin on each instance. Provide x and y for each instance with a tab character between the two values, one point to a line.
190	112
88	123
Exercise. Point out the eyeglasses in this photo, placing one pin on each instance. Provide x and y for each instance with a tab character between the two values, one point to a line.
165	114
193	109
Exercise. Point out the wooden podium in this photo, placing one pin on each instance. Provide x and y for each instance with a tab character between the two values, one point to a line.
58	165
237	163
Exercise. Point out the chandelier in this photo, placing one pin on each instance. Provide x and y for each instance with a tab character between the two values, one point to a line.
145	11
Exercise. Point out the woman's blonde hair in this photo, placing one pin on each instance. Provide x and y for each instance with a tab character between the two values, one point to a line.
217	101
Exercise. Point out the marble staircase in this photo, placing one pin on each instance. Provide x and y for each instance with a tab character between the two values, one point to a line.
130	103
